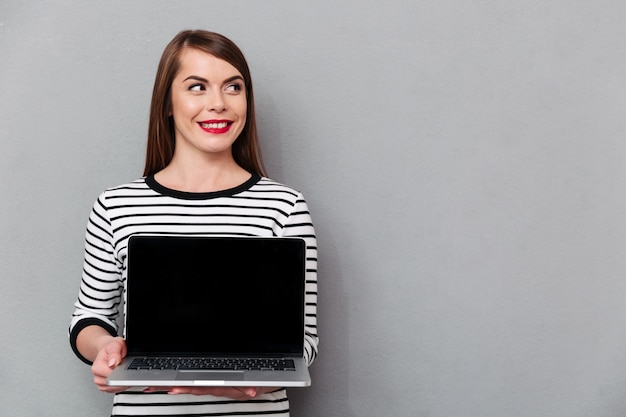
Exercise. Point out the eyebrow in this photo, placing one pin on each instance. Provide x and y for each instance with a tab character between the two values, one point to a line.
204	80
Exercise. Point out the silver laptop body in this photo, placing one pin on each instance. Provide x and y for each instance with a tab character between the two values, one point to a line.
232	304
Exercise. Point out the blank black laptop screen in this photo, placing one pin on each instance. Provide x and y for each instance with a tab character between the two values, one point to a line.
215	296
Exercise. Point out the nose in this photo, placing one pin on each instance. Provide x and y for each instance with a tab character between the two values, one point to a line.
216	102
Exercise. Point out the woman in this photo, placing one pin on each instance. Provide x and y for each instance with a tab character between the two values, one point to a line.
203	175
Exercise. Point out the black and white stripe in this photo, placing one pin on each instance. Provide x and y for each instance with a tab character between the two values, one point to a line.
259	207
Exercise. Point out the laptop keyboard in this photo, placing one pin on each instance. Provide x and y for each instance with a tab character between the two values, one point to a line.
217	364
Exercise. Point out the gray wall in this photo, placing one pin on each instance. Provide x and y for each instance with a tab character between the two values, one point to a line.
464	162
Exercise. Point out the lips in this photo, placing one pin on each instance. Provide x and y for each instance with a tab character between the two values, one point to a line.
215	126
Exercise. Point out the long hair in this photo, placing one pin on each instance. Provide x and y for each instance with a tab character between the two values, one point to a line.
161	138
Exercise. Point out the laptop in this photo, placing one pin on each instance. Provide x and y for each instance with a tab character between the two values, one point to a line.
214	311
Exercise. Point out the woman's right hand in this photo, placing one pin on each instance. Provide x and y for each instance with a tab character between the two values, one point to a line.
109	356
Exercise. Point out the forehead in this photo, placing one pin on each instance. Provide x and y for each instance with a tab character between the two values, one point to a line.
196	62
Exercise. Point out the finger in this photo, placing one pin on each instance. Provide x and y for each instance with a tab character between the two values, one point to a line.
114	352
111	390
248	391
229	392
158	389
264	390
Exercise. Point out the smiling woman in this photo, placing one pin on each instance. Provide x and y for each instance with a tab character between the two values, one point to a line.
161	131
204	175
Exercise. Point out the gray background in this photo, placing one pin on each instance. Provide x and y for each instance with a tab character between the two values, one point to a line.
463	162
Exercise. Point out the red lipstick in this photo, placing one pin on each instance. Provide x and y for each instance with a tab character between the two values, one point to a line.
215	126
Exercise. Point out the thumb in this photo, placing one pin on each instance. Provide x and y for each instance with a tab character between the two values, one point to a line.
113	362
114	352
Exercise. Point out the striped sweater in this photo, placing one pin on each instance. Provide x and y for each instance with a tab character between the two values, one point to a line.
259	207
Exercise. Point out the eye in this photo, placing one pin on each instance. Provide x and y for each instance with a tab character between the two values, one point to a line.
234	88
196	87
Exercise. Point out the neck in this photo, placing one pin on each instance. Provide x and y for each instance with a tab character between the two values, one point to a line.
202	176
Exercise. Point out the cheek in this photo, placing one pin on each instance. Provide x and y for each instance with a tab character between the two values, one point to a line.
186	108
242	110
242	118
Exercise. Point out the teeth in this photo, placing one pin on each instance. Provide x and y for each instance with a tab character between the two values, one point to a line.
220	125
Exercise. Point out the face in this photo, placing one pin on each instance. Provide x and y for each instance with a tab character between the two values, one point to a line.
208	105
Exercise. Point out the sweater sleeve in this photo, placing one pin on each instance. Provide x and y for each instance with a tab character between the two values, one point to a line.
299	224
101	287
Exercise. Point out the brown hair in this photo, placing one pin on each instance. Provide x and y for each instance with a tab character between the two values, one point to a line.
161	140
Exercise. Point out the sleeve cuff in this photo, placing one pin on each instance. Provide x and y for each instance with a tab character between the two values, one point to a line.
80	326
